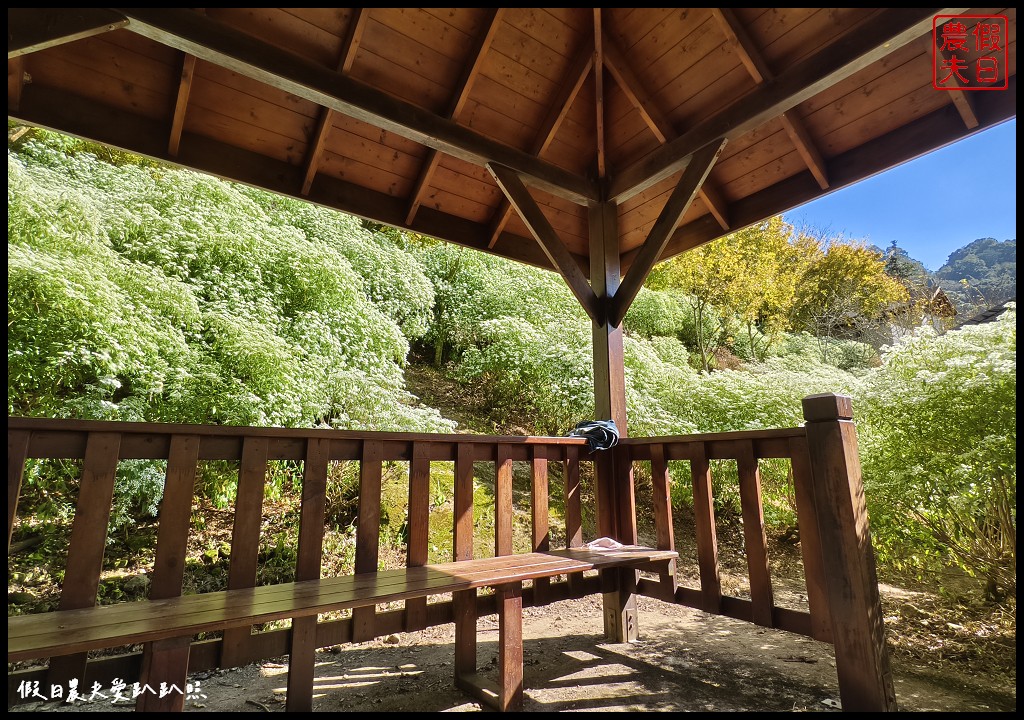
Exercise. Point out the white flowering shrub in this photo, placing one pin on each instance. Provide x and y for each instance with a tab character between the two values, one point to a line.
938	442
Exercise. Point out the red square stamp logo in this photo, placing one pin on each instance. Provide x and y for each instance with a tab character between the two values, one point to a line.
969	52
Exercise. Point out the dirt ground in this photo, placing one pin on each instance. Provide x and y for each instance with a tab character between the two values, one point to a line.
686	660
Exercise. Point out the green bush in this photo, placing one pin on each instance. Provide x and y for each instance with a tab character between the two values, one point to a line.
939	432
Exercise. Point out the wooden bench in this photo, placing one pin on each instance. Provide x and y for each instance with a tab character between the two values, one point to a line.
73	631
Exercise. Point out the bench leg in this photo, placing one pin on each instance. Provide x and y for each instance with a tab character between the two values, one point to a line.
507	693
164	661
301	662
510	646
465	633
620	615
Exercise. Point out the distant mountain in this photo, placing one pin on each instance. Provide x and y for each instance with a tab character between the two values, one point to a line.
980	274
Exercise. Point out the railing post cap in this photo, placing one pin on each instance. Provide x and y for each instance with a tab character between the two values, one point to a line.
827	406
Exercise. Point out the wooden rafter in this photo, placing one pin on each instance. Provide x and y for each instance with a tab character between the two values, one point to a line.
510	183
221	45
602	168
923	135
458	102
349	46
567	92
33	29
752	59
657	121
188	69
678	203
961	100
891	29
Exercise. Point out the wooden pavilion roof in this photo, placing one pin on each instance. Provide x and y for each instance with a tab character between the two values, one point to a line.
432	119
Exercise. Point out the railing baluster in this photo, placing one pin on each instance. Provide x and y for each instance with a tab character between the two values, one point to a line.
707	541
419	521
662	492
573	509
754	537
302	656
503	502
539	510
662	499
464	603
368	532
245	541
88	541
17	450
167	660
810	542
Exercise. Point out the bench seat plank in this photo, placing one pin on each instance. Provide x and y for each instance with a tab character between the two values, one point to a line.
65	632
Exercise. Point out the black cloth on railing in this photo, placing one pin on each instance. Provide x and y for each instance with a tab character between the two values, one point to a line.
600	434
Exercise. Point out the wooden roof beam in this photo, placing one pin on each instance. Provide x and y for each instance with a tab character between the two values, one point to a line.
960	99
678	203
756	65
458	102
602	168
33	29
559	108
891	29
188	70
15	82
937	129
546	237
221	45
663	129
349	46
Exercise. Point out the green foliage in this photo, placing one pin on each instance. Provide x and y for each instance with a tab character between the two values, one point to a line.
144	293
842	286
656	313
939	447
980	274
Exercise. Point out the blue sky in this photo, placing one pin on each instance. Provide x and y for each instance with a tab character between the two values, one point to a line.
932	205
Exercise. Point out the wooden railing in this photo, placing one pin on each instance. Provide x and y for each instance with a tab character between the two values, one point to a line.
839	568
745	449
99	446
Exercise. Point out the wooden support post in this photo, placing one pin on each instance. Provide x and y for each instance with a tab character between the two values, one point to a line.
862	660
616	512
510	646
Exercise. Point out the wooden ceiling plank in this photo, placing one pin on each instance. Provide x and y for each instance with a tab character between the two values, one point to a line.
462	91
659	124
32	29
892	29
216	43
349	47
678	203
557	112
752	59
519	197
